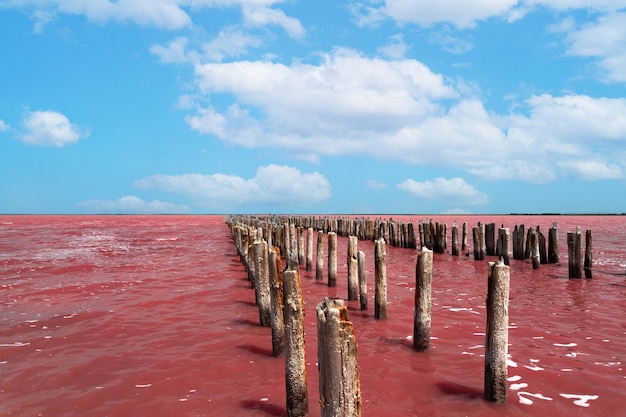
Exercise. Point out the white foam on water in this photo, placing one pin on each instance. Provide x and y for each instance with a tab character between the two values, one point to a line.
183	399
466	353
534	368
566	370
14	344
409	337
574	354
534	360
514	378
264	399
517	387
142	385
528	401
565	344
580	400
605	340
476	347
434	338
479	334
537	337
608	363
511	364
468	309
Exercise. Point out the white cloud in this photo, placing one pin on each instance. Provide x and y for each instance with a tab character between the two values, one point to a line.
454	190
399	110
50	128
592	170
395	48
132	204
376	185
461	13
273	184
255	15
605	40
4	126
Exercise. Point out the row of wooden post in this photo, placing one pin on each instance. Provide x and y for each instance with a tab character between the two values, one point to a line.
291	334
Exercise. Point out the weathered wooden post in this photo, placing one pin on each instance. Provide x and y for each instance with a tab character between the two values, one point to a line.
490	239
553	245
319	259
464	237
588	254
423	304
276	300
301	250
533	244
362	280
497	333
455	238
380	288
543	252
262	282
332	259
503	244
339	385
309	249
295	358
574	254
353	269
479	243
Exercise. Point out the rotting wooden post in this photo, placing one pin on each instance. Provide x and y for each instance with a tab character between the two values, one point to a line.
497	333
423	304
490	239
362	280
543	252
479	243
464	237
262	282
380	289
533	244
309	249
332	259
455	238
339	385
277	322
295	357
574	254
503	244
301	250
353	269
588	254
319	259
553	245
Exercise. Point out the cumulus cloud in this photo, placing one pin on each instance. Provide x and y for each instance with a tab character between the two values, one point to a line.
50	128
132	204
4	126
165	14
604	40
454	190
461	13
272	185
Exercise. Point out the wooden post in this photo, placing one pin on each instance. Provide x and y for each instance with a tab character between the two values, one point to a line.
574	254
503	244
464	237
497	333
295	358
380	290
339	385
353	269
543	252
588	254
490	239
455	238
332	259
423	305
276	300
479	243
301	250
309	249
533	244
553	245
262	282
319	259
518	242
362	280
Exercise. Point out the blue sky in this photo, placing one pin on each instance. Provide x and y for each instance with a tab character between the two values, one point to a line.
259	106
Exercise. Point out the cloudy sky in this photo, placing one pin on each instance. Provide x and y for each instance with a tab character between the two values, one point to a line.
259	106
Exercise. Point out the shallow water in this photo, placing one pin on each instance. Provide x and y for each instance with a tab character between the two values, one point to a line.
154	315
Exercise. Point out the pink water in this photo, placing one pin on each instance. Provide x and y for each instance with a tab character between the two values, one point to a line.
154	316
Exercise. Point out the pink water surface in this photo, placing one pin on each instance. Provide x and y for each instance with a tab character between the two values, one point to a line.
154	316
